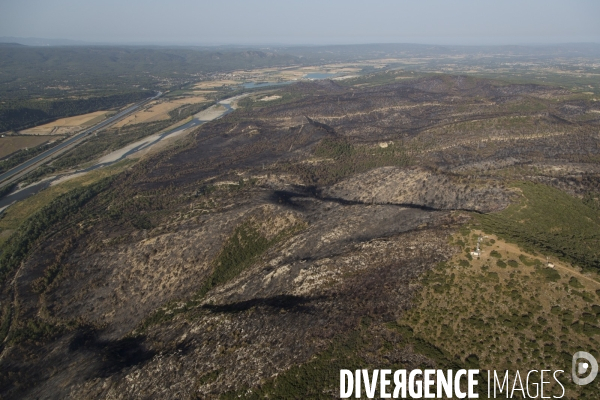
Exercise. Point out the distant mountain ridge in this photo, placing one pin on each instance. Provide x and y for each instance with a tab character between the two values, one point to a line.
345	49
32	41
11	44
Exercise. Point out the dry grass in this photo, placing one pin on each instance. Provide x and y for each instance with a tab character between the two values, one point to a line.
215	84
270	98
299	73
159	110
509	310
181	101
278	74
154	111
10	144
67	125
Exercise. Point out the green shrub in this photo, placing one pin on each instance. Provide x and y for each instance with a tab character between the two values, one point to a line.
16	248
142	222
35	330
239	252
242	249
550	274
7	313
349	159
472	361
584	295
587	317
527	261
575	283
591	330
545	209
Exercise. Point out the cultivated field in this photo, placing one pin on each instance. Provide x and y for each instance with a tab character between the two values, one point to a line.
65	126
298	73
215	84
10	144
270	98
280	74
158	110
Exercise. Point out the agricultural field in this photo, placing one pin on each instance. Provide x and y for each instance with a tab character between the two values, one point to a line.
159	110
68	126
215	84
298	73
13	143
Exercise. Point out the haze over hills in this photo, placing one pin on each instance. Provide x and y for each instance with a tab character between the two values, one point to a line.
31	41
35	79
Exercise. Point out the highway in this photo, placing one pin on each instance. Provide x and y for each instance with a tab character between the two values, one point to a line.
48	153
116	156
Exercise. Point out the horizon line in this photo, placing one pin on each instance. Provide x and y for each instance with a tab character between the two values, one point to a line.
60	42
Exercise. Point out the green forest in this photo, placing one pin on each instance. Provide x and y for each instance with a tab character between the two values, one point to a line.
551	221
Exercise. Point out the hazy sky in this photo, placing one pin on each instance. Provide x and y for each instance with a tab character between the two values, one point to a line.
304	22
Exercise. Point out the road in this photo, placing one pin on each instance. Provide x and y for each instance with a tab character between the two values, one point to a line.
111	158
48	153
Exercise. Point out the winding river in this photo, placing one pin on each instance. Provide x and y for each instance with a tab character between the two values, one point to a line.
216	111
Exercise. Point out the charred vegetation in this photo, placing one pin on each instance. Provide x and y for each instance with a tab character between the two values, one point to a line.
274	234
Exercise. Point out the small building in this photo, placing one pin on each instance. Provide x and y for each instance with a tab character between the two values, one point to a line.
477	252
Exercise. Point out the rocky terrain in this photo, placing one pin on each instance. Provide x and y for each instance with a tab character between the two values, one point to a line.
274	234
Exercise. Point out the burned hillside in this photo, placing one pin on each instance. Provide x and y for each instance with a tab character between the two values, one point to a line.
268	237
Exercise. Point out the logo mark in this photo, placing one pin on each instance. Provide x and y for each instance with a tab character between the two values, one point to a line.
581	367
